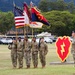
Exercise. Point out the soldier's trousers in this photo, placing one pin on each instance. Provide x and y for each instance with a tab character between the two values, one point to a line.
20	59
42	59
74	58
27	56
14	59
35	59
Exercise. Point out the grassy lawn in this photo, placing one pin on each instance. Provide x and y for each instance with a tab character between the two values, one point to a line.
6	66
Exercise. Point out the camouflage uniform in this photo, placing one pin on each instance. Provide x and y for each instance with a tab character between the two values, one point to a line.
13	49
34	46
27	53
42	53
73	49
20	53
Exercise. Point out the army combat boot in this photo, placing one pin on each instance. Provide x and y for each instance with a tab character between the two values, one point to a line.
43	66
28	66
35	66
14	67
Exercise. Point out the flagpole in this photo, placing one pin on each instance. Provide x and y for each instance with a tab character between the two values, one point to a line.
32	32
31	5
16	33
26	19
16	36
24	31
27	30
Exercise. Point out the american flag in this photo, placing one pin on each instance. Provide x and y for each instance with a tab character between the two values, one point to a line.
19	18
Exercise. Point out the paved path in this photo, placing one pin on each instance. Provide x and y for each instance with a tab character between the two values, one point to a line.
62	63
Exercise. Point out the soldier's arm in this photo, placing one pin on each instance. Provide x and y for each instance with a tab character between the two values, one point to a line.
37	47
46	49
73	42
73	46
31	44
10	46
22	48
23	45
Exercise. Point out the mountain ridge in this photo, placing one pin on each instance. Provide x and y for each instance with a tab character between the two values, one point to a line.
7	5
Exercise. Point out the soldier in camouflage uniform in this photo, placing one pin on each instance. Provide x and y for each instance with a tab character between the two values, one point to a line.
73	46
27	52
13	48
43	50
34	46
20	52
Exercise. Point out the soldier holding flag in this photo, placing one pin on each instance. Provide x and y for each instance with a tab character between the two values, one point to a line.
73	46
34	46
43	50
27	52
20	52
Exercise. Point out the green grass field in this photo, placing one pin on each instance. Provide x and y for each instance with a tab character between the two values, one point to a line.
6	66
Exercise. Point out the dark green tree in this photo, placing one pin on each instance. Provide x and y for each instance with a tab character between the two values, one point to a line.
44	5
61	5
6	21
58	5
61	22
71	7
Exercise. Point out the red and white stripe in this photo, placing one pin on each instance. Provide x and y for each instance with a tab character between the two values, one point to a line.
27	21
19	21
26	18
